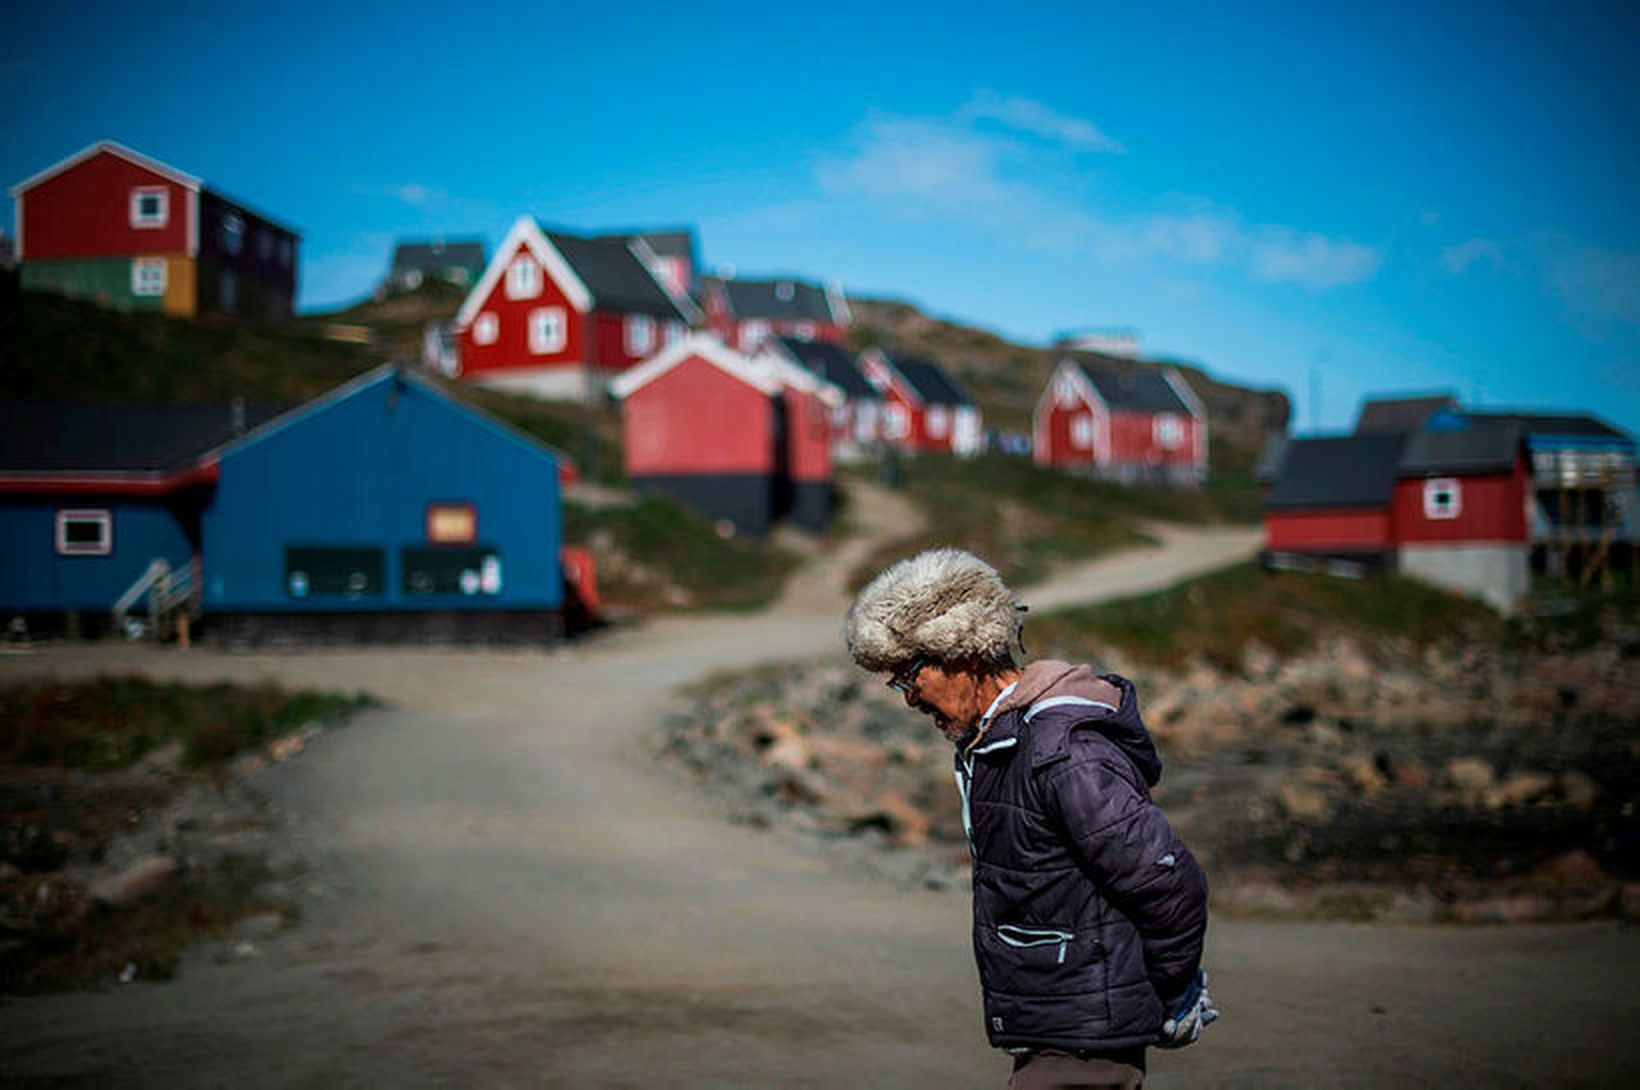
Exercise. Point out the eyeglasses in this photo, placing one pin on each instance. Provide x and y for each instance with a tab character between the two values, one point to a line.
905	677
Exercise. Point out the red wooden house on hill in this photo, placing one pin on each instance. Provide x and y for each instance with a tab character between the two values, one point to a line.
923	410
855	416
744	313
114	226
554	312
1125	424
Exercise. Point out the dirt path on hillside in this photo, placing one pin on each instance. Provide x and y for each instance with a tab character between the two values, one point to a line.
504	891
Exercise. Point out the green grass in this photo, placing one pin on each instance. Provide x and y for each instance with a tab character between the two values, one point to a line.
1215	617
652	551
110	723
1024	519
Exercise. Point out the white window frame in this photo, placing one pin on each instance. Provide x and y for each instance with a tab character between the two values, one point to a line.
896	421
938	421
548	330
753	332
640	334
1168	430
1434	489
1082	431
148	277
100	515
233	233
159	218
486	328
523	277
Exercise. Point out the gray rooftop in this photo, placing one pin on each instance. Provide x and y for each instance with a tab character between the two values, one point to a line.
613	274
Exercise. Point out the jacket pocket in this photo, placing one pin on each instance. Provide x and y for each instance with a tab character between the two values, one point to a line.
1031	938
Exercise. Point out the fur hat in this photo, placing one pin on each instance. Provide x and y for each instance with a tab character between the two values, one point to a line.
945	604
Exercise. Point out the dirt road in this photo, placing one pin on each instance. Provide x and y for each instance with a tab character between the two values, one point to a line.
504	891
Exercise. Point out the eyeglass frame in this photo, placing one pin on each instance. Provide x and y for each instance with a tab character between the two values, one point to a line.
904	679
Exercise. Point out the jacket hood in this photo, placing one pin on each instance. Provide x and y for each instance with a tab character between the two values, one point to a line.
1047	680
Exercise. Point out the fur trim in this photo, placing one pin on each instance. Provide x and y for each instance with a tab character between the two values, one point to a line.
945	604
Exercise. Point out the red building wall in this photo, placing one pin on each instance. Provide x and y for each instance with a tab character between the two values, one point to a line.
609	341
808	437
697	420
1058	449
86	212
1491	507
1133	441
1335	530
511	349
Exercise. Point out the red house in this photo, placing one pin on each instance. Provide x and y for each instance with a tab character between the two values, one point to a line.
114	226
555	312
1125	424
923	408
1448	505
701	424
745	313
803	489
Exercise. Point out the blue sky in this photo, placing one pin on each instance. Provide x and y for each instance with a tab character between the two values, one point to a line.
1397	197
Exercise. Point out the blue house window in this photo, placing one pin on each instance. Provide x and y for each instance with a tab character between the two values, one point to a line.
465	571
327	572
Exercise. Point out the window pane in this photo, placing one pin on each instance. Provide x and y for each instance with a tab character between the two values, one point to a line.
349	572
429	570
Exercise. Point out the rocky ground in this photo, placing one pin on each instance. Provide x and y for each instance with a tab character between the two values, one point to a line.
1370	783
108	876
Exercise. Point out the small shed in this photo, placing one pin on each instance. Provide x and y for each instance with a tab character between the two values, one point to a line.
705	426
1332	500
804	484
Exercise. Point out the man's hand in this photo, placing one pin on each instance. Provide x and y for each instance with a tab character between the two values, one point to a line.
1187	1014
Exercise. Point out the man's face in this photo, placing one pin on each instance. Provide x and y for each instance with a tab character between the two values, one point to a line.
950	694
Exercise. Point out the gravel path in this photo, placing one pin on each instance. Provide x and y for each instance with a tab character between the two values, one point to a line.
503	891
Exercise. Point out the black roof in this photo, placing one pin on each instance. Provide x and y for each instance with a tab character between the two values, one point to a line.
1339	471
431	256
931	381
833	363
1478	446
82	437
1399	415
678	242
778	300
1549	424
1134	391
613	274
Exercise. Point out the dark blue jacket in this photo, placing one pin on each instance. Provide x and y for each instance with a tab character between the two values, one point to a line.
1089	912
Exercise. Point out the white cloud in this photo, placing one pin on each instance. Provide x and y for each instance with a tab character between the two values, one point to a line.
944	168
1283	255
1035	119
416	195
1456	260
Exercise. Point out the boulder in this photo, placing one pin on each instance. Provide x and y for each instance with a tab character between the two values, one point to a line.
283	749
1304	802
905	823
1521	789
1577	790
1361	772
1471	775
142	878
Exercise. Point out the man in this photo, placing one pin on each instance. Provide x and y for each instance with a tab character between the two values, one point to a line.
1089	912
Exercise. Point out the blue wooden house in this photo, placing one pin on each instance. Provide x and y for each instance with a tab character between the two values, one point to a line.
386	510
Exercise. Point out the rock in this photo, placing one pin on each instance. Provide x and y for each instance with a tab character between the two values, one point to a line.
1351	661
791	753
1408	774
1471	775
1569	872
1259	662
139	880
1512	908
1304	802
1577	790
1521	789
260	927
1628	901
796	786
167	758
830	750
896	815
283	749
1361	773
